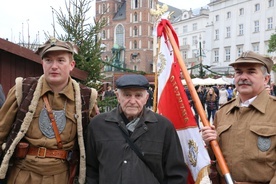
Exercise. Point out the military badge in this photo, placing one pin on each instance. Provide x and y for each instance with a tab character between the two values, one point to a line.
45	124
264	143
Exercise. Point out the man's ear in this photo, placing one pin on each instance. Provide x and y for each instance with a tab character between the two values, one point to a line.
267	78
73	63
117	94
147	95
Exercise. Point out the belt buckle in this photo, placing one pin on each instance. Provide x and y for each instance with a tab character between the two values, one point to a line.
41	150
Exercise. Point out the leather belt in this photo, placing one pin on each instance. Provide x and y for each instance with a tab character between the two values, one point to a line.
43	152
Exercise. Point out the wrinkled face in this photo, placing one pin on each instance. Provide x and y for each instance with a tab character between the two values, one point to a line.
132	101
57	66
250	80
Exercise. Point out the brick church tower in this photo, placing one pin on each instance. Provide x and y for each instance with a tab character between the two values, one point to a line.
127	40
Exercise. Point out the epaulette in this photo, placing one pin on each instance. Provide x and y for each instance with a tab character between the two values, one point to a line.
228	102
273	97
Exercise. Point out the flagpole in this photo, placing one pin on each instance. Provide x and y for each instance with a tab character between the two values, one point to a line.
154	108
214	144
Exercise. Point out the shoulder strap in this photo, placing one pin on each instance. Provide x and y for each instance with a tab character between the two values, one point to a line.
53	121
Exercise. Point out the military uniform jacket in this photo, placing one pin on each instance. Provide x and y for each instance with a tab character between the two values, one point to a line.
110	160
247	137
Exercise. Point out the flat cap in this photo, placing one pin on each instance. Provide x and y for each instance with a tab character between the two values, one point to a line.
252	57
132	81
54	44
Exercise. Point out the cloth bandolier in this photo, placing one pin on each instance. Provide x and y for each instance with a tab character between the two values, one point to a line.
28	87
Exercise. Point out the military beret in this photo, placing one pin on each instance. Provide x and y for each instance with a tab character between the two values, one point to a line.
132	81
54	44
252	57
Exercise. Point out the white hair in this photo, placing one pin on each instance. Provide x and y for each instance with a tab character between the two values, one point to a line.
264	71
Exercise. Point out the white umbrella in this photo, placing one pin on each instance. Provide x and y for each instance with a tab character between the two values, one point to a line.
209	81
196	81
220	81
229	80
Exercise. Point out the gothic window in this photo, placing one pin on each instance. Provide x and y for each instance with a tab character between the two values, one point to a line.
135	31
135	17
136	2
120	35
135	44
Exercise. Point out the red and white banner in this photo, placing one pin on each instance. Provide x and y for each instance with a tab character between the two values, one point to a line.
172	102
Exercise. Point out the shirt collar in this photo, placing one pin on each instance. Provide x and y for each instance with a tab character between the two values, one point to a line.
68	91
259	102
247	102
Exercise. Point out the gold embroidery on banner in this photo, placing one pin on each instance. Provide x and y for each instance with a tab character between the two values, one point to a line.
179	98
193	152
161	64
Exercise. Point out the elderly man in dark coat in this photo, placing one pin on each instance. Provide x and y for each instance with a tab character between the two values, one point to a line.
132	144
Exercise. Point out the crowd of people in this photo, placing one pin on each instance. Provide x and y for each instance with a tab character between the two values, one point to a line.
212	97
51	130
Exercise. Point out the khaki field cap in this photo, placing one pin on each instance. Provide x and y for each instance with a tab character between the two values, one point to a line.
252	57
54	44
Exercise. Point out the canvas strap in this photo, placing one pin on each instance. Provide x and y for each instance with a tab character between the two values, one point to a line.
53	121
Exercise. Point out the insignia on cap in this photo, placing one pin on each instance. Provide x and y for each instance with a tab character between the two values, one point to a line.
53	41
244	54
264	143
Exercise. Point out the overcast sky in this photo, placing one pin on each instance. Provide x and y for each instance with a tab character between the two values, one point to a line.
20	17
186	4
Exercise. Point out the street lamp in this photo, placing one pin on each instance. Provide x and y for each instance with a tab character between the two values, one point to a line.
201	73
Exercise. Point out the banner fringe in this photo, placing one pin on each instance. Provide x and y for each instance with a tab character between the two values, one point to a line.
203	176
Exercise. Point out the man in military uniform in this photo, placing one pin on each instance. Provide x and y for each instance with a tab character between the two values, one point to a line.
245	127
42	121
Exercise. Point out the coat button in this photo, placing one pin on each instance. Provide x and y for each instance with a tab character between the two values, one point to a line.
145	128
125	162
